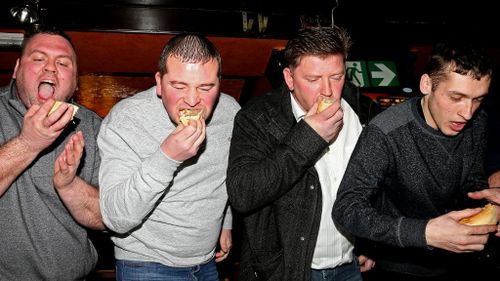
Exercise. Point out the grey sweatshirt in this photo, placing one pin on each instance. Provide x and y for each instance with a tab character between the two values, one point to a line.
163	210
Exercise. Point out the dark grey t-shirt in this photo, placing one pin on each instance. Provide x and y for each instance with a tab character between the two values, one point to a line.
40	239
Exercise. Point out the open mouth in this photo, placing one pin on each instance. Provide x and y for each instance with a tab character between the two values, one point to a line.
46	89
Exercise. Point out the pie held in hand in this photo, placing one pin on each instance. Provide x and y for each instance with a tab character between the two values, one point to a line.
59	103
190	114
488	215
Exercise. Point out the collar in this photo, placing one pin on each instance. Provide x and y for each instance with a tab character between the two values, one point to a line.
14	99
297	111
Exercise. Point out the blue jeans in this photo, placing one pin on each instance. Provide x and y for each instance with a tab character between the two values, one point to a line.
144	271
345	272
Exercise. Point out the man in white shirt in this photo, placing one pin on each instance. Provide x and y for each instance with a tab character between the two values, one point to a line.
286	162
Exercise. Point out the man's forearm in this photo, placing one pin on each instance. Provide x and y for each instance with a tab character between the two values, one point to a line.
82	201
15	156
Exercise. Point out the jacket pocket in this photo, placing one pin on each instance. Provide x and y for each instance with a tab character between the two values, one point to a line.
268	265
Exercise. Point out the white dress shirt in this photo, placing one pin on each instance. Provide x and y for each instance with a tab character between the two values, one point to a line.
333	248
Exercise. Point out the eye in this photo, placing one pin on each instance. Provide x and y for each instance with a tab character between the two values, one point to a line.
179	87
205	88
478	100
337	77
38	58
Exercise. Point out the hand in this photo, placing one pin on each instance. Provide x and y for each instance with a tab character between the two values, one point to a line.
327	123
226	243
446	233
365	263
39	130
494	179
493	196
184	142
67	162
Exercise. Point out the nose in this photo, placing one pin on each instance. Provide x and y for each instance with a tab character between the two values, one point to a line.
467	110
327	89
192	98
50	66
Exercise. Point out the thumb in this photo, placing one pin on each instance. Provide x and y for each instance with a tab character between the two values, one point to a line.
32	110
458	215
477	194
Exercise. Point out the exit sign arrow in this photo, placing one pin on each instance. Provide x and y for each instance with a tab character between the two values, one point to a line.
385	74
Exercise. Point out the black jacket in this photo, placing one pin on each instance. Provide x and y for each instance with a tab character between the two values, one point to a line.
272	182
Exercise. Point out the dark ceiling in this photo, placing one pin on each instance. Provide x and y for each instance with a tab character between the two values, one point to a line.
390	21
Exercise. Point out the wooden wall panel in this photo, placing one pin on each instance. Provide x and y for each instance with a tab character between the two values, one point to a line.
114	65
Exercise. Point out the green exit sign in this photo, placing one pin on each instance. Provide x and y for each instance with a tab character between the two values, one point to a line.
372	73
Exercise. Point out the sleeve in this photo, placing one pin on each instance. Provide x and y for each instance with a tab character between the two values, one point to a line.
353	209
228	218
476	178
130	185
263	167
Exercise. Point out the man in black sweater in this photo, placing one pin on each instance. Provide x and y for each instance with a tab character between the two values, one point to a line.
406	185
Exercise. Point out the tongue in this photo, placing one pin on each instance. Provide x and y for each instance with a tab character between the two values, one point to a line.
45	91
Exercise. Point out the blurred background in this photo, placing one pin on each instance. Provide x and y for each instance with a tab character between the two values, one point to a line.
119	42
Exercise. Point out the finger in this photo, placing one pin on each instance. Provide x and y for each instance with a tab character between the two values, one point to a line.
46	107
198	132
313	109
62	163
478	195
220	256
81	139
202	135
457	215
78	144
32	110
70	156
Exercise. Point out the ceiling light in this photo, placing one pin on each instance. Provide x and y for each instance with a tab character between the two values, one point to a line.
27	13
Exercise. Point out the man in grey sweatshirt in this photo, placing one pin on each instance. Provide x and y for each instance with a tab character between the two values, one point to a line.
163	182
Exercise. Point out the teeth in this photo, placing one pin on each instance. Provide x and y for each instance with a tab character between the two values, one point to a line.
48	82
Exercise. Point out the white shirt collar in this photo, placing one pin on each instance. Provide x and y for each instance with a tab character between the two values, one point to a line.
296	109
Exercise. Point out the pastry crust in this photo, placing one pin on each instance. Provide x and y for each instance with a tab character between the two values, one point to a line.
189	114
488	215
325	103
59	103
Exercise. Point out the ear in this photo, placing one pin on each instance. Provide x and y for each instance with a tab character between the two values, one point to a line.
158	84
287	74
15	69
425	84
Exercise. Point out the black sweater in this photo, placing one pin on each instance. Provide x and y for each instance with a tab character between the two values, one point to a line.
403	173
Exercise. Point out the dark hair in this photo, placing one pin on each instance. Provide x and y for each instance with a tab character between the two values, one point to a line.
191	48
316	41
40	29
458	57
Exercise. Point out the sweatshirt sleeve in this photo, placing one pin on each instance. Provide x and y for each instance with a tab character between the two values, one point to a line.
130	186
368	166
